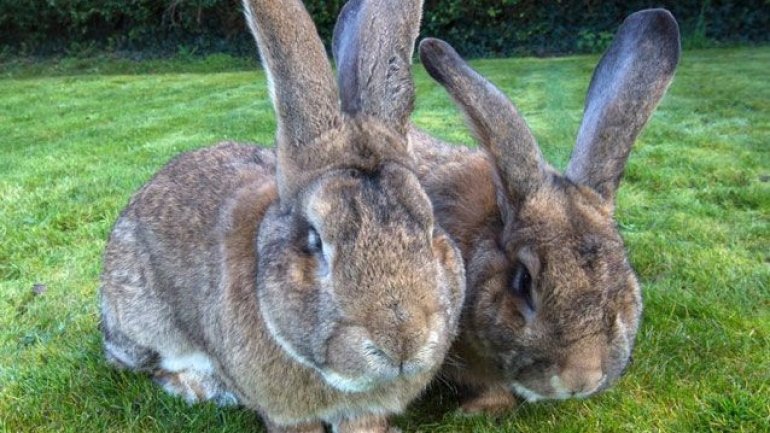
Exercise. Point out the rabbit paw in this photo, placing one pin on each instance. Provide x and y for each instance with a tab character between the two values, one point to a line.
372	424
491	401
194	387
299	428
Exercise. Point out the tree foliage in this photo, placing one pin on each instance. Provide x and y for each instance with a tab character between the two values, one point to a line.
475	27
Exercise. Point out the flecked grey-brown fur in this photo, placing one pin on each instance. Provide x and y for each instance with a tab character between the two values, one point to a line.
505	207
310	284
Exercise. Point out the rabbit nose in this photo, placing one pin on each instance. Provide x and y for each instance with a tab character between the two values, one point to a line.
403	346
389	363
581	381
582	372
398	365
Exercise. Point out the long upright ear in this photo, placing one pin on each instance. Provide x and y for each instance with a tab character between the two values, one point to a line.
372	45
496	123
299	75
627	85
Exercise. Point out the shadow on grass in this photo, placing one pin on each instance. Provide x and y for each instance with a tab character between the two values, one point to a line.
76	390
66	385
31	67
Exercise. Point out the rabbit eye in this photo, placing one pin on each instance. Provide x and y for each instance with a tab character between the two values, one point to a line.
521	284
313	241
316	248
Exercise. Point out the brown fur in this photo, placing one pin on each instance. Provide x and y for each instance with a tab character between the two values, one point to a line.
462	186
493	400
310	284
509	211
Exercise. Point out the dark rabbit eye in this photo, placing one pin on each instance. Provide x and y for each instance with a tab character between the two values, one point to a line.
313	241
521	284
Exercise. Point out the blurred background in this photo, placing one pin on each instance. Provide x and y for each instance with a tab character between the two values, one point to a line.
477	28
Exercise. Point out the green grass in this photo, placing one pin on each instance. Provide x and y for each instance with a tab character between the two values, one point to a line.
77	137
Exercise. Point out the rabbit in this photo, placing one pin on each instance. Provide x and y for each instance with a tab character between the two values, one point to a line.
310	284
552	305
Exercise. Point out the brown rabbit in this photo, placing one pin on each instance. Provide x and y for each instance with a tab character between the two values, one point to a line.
553	306
311	285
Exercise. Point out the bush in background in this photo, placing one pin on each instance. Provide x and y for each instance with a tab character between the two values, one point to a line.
475	27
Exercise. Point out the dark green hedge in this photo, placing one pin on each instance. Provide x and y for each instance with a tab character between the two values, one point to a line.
475	27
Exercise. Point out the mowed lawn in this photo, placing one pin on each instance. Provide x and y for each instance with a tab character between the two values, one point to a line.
78	137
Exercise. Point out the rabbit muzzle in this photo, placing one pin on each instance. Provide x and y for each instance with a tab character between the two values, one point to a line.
360	360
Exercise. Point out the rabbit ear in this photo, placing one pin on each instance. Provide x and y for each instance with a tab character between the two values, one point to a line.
299	75
498	126
628	83
372	45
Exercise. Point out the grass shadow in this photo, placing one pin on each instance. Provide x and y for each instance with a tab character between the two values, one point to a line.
31	67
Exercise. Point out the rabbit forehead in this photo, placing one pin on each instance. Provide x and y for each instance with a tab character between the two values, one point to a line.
360	143
562	219
388	204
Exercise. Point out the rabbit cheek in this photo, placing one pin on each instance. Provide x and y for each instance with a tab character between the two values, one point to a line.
497	315
621	346
451	278
297	311
627	319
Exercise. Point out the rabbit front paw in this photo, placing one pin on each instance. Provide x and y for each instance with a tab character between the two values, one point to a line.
493	401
